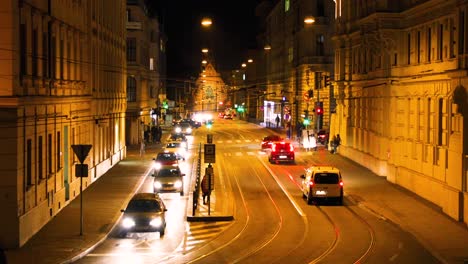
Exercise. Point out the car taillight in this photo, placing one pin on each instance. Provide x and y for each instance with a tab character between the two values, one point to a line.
291	148
341	183
311	184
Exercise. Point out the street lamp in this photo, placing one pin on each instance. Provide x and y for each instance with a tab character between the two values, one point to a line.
309	20
204	50
206	22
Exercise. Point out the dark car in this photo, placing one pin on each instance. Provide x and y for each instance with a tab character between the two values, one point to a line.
177	137
168	179
268	141
322	137
281	152
144	213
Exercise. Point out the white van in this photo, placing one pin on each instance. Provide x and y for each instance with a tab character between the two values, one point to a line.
322	183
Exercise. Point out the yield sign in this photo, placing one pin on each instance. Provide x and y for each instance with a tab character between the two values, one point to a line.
81	151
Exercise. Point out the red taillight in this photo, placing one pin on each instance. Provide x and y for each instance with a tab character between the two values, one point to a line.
311	184
341	183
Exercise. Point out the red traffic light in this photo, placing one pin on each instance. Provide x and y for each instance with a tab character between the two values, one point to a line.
319	110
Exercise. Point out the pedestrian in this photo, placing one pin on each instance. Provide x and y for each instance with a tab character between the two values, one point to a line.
142	148
277	119
205	187
288	130
333	144
337	142
305	139
158	134
313	142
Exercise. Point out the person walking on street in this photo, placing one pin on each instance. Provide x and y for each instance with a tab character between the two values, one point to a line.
142	148
277	119
313	142
337	142
205	188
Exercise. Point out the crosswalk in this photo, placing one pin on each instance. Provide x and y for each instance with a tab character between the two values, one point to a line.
199	233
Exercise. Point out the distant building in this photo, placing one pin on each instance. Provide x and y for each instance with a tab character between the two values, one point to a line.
401	87
62	83
211	92
146	70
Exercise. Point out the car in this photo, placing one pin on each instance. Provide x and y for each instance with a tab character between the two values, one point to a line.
177	137
184	128
168	179
193	123
227	116
322	137
178	147
281	152
322	183
268	141
145	212
165	158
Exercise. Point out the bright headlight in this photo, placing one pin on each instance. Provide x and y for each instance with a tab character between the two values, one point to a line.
128	223
157	185
178	129
157	165
189	130
178	184
156	222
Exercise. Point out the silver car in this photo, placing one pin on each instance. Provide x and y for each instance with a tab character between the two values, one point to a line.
168	178
144	213
322	183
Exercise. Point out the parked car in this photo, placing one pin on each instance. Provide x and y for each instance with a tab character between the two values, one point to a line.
322	183
268	141
281	152
168	179
165	158
322	137
145	212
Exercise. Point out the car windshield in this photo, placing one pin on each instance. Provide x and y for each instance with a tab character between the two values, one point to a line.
143	206
166	156
184	124
173	145
326	178
272	138
282	147
168	172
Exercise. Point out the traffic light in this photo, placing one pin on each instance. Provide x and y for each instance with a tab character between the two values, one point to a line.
319	108
165	106
326	80
306	121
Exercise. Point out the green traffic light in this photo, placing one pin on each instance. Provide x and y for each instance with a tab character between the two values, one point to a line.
306	122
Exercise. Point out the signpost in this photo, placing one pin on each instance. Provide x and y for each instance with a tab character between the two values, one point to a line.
209	157
81	170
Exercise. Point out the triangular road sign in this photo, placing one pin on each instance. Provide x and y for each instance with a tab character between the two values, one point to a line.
81	151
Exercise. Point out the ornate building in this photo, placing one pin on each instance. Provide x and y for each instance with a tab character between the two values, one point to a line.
210	91
401	78
63	83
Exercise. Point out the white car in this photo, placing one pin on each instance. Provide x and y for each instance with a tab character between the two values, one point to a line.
184	128
178	147
322	183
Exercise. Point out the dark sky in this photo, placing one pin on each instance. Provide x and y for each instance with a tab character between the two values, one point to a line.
233	32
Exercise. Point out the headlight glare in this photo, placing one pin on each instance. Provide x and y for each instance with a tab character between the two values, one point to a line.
157	185
178	184
128	223
156	222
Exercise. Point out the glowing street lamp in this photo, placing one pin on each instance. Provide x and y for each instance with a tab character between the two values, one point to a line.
244	65
206	22
204	62
309	20
249	60
204	50
267	47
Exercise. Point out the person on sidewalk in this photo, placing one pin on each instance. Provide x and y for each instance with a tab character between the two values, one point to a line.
313	142
205	187
336	142
142	148
277	119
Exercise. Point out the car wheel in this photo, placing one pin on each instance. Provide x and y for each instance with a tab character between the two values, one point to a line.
310	199
161	232
182	193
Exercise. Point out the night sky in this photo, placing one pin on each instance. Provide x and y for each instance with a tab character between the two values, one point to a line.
233	32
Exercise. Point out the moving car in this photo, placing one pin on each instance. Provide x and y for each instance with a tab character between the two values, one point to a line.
177	137
178	147
322	137
165	158
322	182
144	213
168	179
227	116
184	128
268	141
281	152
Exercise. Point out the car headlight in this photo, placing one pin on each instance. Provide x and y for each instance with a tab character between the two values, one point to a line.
157	165
178	184
181	152
189	130
156	222
128	223
157	185
178	129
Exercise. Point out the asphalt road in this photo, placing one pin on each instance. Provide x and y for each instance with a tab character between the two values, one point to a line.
273	223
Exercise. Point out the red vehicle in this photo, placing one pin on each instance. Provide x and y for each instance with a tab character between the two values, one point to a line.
281	151
268	141
322	137
165	158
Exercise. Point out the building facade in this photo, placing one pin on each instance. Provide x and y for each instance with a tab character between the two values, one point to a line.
63	84
298	55
145	62
401	87
210	91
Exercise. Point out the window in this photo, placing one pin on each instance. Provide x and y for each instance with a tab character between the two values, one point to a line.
49	152
131	89
429	46
461	33
151	64
59	151
320	46
320	8
418	46
408	49
45	54
131	49
40	158
61	58
29	180
440	45
34	53
326	178
286	5
23	51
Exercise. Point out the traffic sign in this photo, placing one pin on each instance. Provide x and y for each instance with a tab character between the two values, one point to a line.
210	153
81	151
306	96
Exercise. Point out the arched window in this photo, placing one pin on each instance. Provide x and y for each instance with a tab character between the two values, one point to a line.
131	89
